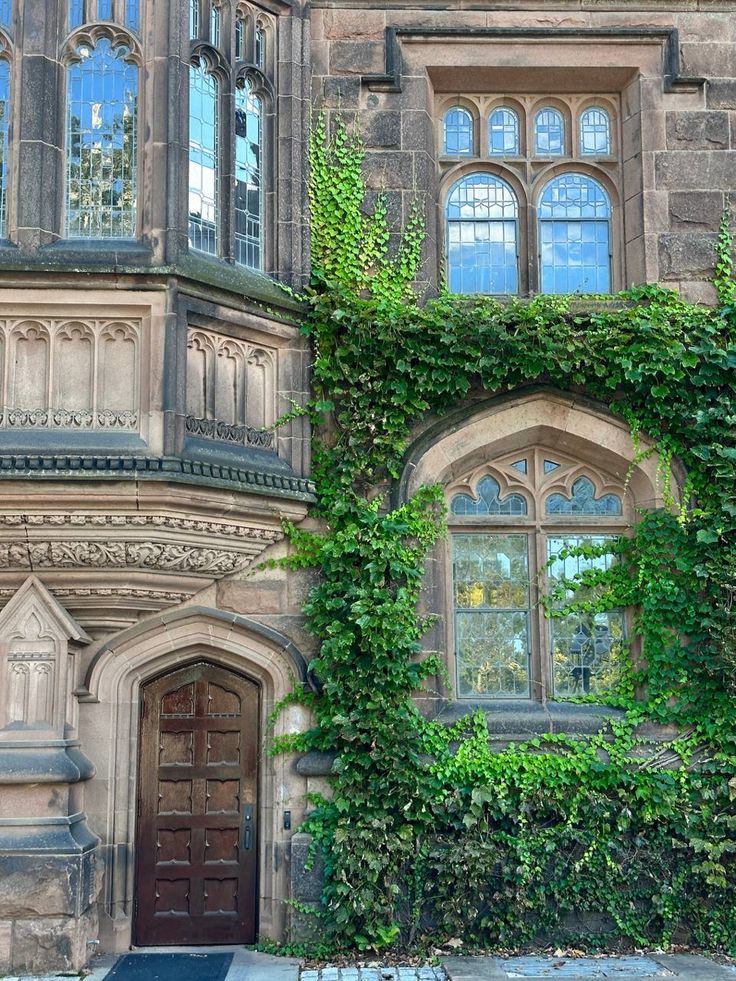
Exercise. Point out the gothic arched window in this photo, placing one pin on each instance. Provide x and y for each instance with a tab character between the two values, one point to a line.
503	133
101	142
204	149
248	176
482	251
534	519
595	132
574	236
549	133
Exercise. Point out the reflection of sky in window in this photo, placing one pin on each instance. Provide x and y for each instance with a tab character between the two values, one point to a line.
248	184
458	132
595	135
549	133
76	13
260	47
133	14
193	18
6	13
503	132
4	120
239	36
574	236
104	9
203	150
482	236
101	143
215	26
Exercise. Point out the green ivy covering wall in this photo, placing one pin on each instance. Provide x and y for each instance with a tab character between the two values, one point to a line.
427	829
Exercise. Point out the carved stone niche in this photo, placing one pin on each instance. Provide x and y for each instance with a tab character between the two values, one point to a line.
37	641
48	869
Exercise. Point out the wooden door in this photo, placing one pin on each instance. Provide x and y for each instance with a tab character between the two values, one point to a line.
196	841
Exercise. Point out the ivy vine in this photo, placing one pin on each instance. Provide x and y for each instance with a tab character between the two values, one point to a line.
427	829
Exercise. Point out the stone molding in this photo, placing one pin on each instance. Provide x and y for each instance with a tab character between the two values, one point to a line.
229	432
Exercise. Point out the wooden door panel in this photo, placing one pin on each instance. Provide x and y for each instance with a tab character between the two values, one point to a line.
196	854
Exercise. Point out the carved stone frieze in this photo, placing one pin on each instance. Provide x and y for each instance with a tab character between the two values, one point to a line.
122	555
174	522
229	432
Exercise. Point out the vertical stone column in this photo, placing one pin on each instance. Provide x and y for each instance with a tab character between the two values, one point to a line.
48	881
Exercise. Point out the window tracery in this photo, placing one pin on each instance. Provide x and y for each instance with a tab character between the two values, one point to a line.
513	526
101	140
558	156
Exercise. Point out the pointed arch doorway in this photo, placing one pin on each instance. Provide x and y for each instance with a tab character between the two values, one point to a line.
196	836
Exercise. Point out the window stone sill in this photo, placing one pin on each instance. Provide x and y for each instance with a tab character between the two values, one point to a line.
521	719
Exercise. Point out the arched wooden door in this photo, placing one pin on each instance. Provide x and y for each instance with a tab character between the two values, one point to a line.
196	840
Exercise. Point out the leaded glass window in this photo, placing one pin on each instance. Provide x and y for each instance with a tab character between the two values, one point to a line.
104	9
503	133
248	180
488	500
507	548
458	139
215	26
76	13
204	142
575	236
482	250
6	13
260	48
549	133
133	14
193	18
239	37
586	647
492	610
584	501
102	143
595	132
4	124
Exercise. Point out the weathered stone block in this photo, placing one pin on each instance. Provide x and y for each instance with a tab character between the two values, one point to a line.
380	128
721	93
683	170
33	885
695	209
352	24
307	870
356	57
390	169
341	92
697	130
6	938
686	256
52	945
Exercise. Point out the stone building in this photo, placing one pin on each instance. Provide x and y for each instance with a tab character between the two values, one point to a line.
152	195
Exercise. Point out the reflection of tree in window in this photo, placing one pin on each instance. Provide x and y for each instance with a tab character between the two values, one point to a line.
4	122
482	248
586	646
248	183
574	235
102	143
203	162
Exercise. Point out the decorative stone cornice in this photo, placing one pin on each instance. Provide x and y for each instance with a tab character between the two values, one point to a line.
137	520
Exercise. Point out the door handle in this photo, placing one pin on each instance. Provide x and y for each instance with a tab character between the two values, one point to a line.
247	827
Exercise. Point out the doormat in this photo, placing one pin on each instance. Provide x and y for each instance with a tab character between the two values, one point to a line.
171	967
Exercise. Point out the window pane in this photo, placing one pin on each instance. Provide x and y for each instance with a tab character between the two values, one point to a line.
193	18
239	37
458	132
248	183
586	648
574	236
215	27
503	133
76	13
102	144
203	151
260	48
595	132
104	9
491	592
549	133
488	501
6	13
4	122
583	501
482	236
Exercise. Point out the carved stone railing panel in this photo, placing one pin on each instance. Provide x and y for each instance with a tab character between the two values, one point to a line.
231	389
61	374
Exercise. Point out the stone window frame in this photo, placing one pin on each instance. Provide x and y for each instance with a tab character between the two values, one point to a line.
90	15
230	72
528	173
535	488
119	37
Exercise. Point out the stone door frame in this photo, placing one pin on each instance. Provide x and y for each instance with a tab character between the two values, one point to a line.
109	724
